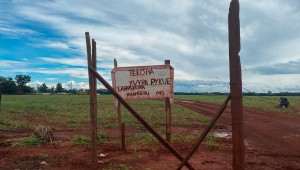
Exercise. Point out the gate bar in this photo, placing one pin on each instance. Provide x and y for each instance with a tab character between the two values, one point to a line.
138	117
205	132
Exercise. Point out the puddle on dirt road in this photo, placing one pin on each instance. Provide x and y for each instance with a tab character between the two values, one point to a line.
187	101
222	134
228	135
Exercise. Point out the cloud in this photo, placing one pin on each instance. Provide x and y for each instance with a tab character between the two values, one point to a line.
291	67
202	86
274	83
67	85
192	34
57	45
65	61
7	64
72	61
81	85
13	32
51	79
73	72
35	84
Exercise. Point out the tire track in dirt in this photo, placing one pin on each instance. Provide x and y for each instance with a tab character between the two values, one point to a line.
267	133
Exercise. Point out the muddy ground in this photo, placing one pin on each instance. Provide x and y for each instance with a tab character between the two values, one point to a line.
272	141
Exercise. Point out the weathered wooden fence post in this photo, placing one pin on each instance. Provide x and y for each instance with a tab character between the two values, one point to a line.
168	113
92	62
120	125
236	86
123	136
0	97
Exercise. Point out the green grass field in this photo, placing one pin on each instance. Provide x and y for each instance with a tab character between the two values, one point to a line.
27	111
71	112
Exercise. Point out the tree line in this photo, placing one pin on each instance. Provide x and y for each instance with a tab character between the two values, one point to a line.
19	86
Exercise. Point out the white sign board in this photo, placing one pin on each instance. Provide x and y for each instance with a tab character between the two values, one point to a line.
140	82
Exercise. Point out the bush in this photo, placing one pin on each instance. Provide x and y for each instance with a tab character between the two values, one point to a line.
44	132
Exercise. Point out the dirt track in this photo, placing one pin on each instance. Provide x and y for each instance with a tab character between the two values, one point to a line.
273	137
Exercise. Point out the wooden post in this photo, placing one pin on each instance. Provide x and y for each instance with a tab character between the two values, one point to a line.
92	62
123	136
236	86
120	125
0	96
168	113
94	101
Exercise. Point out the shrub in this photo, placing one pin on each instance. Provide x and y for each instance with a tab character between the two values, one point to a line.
44	132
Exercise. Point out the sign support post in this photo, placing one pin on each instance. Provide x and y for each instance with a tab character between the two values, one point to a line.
168	113
0	96
120	125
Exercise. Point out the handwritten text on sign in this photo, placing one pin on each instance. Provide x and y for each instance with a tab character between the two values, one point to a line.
144	81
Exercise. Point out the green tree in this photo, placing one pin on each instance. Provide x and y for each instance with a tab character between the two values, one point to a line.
59	88
72	91
26	90
43	88
22	80
8	85
52	90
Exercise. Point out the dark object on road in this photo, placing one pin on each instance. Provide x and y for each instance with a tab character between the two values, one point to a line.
284	103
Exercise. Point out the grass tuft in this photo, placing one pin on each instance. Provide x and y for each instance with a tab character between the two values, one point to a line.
211	141
30	141
83	140
101	137
44	132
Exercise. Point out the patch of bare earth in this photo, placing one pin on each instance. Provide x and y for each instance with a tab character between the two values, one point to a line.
272	141
67	155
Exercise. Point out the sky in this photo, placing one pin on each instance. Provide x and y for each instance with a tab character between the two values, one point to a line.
46	40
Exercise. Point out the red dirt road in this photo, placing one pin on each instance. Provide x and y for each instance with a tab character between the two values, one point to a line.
271	138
